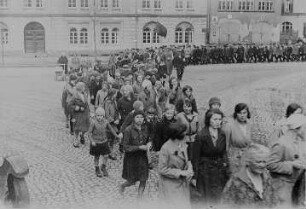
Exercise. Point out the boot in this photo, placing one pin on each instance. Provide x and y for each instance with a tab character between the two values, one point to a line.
98	172
104	171
76	142
82	140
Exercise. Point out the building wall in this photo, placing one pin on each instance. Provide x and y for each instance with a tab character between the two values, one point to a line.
297	17
130	18
237	26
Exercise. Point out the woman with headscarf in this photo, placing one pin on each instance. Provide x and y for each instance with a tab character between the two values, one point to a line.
175	170
252	185
135	163
238	136
210	160
80	113
281	125
287	159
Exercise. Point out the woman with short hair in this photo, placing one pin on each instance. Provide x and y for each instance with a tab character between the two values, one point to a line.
175	169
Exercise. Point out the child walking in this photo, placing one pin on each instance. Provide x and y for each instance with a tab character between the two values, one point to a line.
99	144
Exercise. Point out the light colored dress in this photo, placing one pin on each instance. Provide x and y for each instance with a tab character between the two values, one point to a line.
173	190
238	139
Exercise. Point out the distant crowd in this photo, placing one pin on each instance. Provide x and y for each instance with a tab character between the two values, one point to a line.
135	102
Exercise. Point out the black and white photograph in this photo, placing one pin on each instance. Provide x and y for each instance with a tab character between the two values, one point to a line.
144	104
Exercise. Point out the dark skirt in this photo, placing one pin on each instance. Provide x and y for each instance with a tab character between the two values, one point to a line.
99	149
81	121
135	166
212	177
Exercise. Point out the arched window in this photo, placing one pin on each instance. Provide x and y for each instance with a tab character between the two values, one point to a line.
155	37
286	26
115	36
73	36
146	35
104	36
179	35
83	36
188	35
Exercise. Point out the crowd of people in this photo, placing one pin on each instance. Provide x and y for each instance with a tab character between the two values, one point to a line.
137	103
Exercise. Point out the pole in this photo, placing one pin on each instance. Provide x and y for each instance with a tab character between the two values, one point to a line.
94	29
136	25
208	22
2	46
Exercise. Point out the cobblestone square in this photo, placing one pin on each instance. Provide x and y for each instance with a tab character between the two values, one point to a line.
32	123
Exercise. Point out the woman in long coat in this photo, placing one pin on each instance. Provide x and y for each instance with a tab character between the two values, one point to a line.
135	162
80	113
175	170
210	159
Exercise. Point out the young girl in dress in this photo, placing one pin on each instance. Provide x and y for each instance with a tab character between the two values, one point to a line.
99	144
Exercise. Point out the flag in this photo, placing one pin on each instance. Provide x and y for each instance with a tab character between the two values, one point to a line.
161	30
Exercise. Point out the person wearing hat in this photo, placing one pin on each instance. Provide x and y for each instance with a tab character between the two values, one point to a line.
135	163
175	170
99	142
80	112
214	103
287	159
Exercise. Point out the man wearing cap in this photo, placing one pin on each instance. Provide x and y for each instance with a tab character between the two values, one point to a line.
287	159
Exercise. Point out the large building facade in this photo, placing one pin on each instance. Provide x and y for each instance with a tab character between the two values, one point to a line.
244	21
86	26
293	21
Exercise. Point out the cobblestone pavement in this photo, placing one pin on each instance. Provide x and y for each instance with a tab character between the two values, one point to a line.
32	124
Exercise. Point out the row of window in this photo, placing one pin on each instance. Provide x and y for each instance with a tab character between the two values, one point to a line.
246	5
156	4
102	3
106	36
26	3
146	4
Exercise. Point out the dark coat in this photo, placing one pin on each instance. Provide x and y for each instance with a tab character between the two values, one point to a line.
161	133
135	162
81	118
125	106
210	165
240	191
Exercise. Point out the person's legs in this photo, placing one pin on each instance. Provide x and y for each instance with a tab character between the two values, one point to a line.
76	140
104	159
141	188
96	163
124	185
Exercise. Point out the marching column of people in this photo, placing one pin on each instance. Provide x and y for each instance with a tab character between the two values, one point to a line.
147	115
